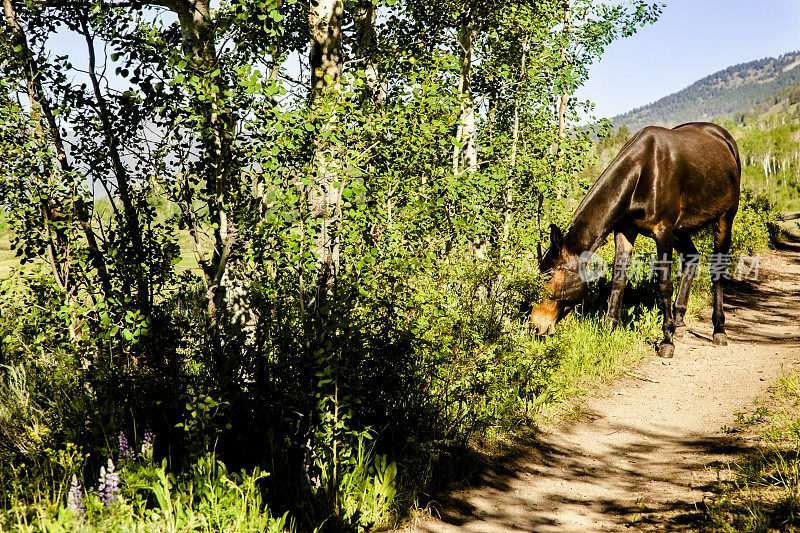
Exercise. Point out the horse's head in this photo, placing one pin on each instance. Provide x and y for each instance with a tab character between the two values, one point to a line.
565	287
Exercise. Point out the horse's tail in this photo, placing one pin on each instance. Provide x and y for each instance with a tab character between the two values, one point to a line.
734	148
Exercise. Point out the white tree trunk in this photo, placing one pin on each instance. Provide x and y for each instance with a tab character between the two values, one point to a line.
562	107
514	147
365	14
466	130
325	20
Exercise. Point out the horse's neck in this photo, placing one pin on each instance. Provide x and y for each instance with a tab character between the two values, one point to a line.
601	209
586	235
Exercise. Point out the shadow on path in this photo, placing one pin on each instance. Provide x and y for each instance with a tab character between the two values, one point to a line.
578	481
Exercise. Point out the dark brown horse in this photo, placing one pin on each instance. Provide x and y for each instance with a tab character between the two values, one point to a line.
667	185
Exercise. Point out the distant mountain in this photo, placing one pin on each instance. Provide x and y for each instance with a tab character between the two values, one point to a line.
721	95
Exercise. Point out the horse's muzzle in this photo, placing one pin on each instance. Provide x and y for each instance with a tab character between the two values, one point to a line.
545	315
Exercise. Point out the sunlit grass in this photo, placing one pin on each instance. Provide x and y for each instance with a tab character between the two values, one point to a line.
9	259
764	493
206	499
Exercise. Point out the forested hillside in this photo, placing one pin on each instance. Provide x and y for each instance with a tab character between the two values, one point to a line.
769	142
768	136
727	93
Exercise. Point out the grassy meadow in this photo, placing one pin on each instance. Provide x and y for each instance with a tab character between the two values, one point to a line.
7	257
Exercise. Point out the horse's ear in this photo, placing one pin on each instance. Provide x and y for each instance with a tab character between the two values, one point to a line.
556	237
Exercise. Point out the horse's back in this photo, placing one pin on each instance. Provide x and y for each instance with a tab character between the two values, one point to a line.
689	175
715	131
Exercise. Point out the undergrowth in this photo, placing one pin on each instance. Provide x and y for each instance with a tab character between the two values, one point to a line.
458	373
424	372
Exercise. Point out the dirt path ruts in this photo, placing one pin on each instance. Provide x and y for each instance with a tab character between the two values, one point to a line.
643	448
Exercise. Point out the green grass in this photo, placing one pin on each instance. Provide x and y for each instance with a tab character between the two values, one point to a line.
592	356
9	259
764	492
206	499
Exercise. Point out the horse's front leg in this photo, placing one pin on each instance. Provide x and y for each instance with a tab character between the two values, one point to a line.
623	247
663	265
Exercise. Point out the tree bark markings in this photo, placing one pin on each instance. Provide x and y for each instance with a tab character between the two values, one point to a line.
465	134
324	197
365	15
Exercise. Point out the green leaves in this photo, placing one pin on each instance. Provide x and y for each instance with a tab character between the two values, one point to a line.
210	181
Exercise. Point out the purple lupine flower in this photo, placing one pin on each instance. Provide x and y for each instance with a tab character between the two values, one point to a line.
147	444
126	453
75	497
109	484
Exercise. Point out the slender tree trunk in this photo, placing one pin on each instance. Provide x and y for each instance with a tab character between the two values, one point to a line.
326	60
467	153
509	196
40	107
365	15
466	131
199	43
277	58
131	221
324	200
562	106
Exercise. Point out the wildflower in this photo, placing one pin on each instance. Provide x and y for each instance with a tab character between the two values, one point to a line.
147	444
109	484
126	453
75	497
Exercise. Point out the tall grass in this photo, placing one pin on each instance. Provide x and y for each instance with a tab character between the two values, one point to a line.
206	499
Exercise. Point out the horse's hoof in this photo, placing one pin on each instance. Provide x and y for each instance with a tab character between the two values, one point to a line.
680	331
720	339
666	351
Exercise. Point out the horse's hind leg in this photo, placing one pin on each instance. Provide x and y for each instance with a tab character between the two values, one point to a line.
718	269
689	258
663	264
623	243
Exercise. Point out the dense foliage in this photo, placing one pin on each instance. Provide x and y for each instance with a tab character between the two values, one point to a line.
314	271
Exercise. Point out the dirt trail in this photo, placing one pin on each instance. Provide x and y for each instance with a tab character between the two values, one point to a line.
643	447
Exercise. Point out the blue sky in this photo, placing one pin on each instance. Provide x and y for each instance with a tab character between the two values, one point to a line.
691	39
